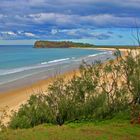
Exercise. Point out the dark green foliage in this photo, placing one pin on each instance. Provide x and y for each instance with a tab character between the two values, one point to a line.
61	44
35	112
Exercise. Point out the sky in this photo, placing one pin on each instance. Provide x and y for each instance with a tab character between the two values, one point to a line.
100	22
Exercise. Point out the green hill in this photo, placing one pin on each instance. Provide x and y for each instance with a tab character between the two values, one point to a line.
61	44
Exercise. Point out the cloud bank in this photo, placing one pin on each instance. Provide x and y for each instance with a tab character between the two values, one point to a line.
67	19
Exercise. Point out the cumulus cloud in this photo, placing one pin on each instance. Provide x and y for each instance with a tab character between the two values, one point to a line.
9	33
29	34
16	35
52	18
65	18
54	31
85	33
100	20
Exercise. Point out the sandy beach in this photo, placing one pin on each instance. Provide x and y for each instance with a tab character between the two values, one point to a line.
17	96
12	99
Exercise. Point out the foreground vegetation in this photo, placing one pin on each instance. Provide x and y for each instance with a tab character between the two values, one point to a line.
99	93
106	130
98	98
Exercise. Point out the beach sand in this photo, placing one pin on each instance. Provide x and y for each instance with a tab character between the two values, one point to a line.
12	100
16	97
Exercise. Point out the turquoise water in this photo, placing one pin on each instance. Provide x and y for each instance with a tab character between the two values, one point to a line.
20	62
21	56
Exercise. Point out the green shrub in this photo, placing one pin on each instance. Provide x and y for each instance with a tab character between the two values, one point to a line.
33	113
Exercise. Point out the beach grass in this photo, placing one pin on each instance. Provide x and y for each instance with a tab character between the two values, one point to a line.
105	130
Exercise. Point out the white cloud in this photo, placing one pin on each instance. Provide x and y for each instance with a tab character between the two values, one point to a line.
49	17
16	35
100	19
29	34
9	33
54	31
19	32
111	20
23	18
72	32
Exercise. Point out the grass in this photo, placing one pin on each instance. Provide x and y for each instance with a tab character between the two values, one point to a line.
105	130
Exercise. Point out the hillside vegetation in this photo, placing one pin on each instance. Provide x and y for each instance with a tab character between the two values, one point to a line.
60	44
70	44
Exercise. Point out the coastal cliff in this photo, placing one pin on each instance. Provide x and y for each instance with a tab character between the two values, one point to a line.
61	44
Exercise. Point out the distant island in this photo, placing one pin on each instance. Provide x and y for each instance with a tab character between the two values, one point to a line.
70	44
61	44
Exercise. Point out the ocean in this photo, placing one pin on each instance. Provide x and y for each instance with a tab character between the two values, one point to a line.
19	62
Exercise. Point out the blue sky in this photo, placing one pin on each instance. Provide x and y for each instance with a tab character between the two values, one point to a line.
101	22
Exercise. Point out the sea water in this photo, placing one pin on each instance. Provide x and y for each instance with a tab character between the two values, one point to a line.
17	61
21	56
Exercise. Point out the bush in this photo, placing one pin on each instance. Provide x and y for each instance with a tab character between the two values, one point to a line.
33	113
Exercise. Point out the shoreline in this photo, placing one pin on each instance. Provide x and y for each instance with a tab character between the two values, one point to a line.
15	97
30	76
12	99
